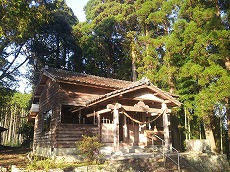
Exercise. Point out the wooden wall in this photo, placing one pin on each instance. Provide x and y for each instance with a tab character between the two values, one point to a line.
52	97
79	94
48	101
69	134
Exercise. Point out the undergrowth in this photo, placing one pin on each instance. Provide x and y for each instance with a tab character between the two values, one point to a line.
46	164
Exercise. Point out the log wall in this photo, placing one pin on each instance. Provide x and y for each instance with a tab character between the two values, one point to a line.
69	134
79	94
62	135
48	101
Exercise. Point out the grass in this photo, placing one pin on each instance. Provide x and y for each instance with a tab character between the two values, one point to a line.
18	156
46	164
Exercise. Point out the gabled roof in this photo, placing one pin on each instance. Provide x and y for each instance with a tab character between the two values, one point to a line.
117	87
62	76
143	83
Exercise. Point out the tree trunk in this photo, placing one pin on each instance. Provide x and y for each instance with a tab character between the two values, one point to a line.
10	127
134	74
209	135
227	63
228	118
4	125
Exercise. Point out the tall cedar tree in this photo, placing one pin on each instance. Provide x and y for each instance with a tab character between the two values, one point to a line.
199	46
54	44
105	50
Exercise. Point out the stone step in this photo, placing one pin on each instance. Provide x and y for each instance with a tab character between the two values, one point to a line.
132	149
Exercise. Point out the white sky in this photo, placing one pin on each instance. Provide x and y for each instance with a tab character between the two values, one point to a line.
77	7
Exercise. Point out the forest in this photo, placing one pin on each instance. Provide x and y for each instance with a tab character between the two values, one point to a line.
182	47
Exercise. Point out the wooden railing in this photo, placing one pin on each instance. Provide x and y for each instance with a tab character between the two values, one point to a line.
165	151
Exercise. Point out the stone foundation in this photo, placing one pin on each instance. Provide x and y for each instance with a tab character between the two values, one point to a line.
198	146
208	162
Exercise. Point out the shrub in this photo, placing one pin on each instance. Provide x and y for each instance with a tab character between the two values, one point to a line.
89	148
41	163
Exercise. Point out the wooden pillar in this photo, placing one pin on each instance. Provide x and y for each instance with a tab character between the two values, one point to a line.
165	125
99	125
116	127
125	129
115	108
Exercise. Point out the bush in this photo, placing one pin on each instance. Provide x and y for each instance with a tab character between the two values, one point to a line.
89	148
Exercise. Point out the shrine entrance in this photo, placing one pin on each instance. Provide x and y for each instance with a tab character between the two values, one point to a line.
131	117
121	127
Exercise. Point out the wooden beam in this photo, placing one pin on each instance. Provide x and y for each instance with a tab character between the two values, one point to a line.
136	109
99	112
116	106
167	101
148	96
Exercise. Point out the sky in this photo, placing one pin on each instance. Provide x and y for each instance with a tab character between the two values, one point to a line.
77	7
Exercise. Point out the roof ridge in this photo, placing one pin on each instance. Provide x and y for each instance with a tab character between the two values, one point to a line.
81	74
143	81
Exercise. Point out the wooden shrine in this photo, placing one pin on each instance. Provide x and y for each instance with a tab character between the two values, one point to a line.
67	105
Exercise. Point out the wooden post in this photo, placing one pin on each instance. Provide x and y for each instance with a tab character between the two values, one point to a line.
115	108
116	127
165	125
99	125
125	131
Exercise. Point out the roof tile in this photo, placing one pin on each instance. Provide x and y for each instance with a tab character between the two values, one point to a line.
63	75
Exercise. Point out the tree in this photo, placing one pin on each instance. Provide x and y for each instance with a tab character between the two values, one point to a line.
39	33
54	44
19	21
181	46
103	42
156	19
13	116
199	49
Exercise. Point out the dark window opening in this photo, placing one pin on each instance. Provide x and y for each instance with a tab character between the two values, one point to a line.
79	117
47	120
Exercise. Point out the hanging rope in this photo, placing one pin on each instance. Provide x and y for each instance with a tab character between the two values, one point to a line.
139	122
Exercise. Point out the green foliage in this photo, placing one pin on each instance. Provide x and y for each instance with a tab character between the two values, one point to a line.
181	46
27	131
22	100
39	33
45	164
5	95
89	148
39	163
19	23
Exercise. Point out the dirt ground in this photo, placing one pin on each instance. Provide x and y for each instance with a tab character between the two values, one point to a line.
13	156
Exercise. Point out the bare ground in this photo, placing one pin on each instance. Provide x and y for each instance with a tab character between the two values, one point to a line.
13	156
